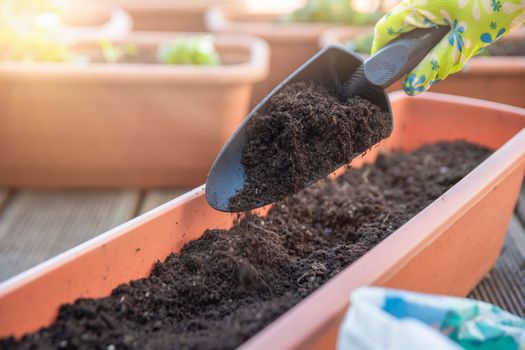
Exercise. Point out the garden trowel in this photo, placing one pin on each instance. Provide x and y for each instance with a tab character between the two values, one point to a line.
340	70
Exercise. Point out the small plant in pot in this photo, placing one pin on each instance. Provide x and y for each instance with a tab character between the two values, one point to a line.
193	50
34	36
293	37
332	11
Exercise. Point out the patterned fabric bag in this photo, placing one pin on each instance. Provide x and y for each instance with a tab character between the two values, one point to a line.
389	319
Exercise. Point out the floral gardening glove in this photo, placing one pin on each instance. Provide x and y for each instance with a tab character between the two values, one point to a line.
474	24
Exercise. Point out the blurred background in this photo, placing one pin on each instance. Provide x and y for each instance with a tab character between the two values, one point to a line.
109	108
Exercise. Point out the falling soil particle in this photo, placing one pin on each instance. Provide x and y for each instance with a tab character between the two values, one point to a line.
226	286
305	133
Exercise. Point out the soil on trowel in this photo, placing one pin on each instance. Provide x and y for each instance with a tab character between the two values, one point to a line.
223	288
507	48
304	134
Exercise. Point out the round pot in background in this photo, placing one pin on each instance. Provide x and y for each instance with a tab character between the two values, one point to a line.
500	79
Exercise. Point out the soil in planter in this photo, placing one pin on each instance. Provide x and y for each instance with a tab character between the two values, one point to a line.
226	286
305	132
507	48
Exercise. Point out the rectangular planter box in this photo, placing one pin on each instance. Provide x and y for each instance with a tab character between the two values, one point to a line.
291	44
447	248
124	124
499	79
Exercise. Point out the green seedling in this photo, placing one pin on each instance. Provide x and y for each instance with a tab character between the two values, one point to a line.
331	11
116	53
190	51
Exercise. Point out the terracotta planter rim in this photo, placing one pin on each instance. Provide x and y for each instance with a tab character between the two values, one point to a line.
254	69
45	267
222	18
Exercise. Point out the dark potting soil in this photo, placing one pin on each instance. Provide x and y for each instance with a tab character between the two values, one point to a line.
507	48
226	286
305	132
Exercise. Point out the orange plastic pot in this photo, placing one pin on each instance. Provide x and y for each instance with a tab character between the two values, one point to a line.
167	15
291	44
447	248
499	79
134	124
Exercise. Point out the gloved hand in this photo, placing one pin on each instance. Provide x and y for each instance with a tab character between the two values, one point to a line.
474	24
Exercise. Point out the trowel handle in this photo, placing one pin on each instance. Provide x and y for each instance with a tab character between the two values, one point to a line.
402	55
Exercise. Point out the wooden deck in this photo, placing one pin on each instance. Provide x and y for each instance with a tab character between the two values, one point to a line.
36	225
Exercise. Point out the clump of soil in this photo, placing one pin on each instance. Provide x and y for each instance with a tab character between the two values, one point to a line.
305	133
226	286
507	48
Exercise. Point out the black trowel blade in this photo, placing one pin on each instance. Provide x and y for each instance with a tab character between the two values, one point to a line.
331	67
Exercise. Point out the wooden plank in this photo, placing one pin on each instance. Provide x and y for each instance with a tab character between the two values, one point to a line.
517	236
505	284
154	198
35	226
520	210
3	197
